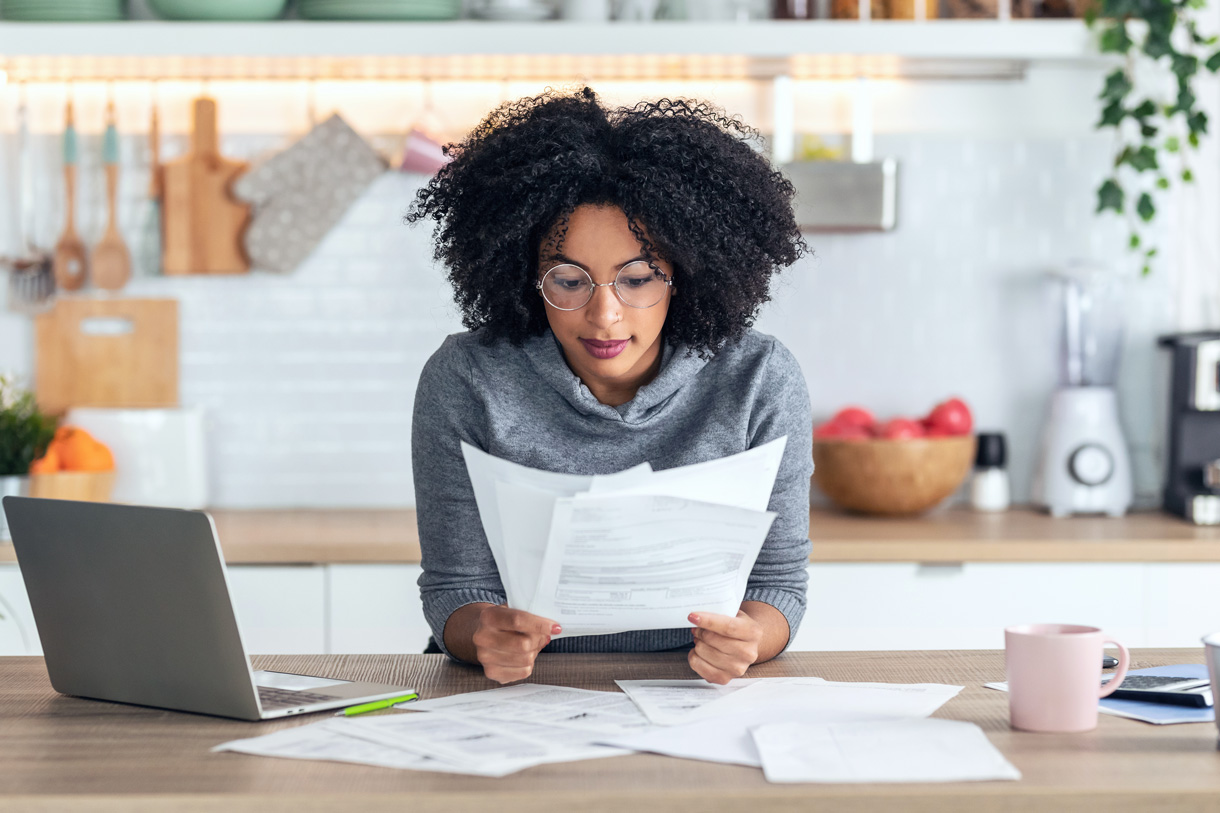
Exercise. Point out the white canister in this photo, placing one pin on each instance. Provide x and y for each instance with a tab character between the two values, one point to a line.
160	455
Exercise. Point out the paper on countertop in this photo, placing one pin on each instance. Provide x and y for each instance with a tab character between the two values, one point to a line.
617	563
880	751
670	702
1154	713
725	736
583	710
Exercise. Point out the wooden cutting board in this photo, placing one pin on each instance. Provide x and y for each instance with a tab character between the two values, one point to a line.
203	222
107	353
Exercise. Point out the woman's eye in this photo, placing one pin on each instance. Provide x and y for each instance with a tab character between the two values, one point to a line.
570	284
636	282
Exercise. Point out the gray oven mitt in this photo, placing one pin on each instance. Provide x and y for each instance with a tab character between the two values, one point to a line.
299	195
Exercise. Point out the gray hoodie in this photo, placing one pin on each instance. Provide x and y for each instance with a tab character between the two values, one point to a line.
524	404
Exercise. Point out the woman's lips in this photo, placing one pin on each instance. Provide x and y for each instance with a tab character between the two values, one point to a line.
604	350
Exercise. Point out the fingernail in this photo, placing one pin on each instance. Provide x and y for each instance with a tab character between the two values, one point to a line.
693	618
556	629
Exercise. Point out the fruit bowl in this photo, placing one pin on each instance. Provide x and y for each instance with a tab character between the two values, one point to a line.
86	486
891	477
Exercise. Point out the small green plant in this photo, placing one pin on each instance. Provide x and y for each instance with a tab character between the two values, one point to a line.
1155	133
25	432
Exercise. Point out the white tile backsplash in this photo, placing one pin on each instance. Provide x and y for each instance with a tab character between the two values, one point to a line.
309	377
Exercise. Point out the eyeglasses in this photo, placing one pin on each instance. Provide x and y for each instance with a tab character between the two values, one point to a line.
569	287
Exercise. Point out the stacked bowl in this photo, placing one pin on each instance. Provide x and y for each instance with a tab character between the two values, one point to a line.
64	11
380	9
218	9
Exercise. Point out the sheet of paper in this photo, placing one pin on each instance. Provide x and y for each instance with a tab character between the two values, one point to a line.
744	480
297	683
323	741
670	702
581	710
883	751
485	469
615	563
486	744
725	736
1154	713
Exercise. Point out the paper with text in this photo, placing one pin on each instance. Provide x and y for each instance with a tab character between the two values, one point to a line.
883	751
582	710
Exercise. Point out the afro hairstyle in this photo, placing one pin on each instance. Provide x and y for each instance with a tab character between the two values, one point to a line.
695	191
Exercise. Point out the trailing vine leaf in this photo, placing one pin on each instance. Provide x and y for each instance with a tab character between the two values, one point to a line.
1114	39
1213	61
1172	144
1133	242
1187	176
1145	208
1112	114
1110	196
1117	86
1162	182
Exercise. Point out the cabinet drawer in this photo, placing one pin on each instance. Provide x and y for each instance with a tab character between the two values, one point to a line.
376	608
280	609
967	606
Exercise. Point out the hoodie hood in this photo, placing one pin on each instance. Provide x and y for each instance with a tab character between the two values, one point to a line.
678	367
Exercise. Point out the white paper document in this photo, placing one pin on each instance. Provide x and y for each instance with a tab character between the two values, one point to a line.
672	702
725	736
880	751
634	550
580	710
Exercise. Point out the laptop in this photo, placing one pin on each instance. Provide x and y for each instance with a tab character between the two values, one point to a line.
132	605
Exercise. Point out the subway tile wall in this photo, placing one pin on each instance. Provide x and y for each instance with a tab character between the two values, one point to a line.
308	378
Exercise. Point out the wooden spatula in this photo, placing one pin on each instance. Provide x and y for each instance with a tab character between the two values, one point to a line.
70	262
111	262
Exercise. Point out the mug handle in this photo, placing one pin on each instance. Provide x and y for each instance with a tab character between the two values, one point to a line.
1124	660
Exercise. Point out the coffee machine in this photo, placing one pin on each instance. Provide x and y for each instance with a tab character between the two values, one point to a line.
1192	485
1083	466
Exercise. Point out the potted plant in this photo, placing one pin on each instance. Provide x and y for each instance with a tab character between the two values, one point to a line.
25	433
1157	119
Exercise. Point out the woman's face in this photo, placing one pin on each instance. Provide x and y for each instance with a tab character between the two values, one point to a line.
613	347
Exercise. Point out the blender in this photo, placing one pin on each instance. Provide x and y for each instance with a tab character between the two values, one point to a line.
1083	466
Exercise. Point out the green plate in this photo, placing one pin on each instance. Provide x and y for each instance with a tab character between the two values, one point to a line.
218	9
379	9
64	10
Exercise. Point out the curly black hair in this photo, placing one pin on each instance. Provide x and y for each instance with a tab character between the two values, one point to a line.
695	192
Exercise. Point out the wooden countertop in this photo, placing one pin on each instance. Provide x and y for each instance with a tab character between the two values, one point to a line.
953	535
66	753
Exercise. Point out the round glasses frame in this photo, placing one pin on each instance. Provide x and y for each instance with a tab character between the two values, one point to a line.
593	286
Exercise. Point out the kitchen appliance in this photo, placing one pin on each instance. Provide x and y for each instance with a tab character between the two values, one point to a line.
1083	466
1192	484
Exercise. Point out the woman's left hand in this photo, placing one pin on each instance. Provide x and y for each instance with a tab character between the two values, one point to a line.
725	647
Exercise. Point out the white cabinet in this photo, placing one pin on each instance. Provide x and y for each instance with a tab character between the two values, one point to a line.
376	608
281	609
18	635
1183	602
965	606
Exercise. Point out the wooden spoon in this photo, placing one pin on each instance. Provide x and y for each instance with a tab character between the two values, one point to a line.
111	261
70	262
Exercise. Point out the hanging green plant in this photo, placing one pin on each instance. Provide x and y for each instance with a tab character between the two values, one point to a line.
1150	131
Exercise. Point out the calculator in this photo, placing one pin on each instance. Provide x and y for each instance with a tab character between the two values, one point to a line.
1181	691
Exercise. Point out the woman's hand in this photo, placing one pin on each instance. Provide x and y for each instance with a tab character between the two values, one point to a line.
725	647
507	641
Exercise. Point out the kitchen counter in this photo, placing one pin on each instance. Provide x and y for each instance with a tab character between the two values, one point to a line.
954	535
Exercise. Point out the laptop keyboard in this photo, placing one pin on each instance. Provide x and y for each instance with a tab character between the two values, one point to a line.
282	698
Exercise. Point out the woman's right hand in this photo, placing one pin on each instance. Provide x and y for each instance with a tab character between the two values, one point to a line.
507	641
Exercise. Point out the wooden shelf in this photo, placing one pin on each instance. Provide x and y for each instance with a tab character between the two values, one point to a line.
951	536
293	49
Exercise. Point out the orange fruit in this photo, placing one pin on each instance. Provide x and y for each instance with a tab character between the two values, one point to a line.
48	463
80	451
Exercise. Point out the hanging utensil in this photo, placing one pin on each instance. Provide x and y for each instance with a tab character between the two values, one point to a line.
111	262
150	238
31	283
70	259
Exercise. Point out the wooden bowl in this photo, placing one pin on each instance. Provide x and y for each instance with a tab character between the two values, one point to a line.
85	486
891	477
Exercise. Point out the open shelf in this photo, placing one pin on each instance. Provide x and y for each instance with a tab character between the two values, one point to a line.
293	49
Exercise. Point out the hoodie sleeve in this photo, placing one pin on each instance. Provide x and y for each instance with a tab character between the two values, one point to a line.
782	408
458	567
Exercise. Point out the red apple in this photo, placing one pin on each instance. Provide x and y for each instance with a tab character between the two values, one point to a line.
855	416
901	429
951	417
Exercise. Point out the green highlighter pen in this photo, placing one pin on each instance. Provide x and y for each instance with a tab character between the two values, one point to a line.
375	705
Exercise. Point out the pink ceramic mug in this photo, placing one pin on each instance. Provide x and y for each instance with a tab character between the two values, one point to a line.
1054	675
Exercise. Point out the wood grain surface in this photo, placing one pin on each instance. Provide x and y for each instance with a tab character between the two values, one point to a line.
954	535
83	357
59	752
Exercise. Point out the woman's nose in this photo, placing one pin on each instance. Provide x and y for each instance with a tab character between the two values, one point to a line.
604	309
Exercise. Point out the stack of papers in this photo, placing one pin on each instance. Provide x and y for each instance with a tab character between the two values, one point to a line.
636	550
796	729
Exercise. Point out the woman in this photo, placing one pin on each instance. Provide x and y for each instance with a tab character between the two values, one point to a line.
608	265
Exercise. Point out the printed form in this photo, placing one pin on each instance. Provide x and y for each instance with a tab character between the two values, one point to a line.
636	550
